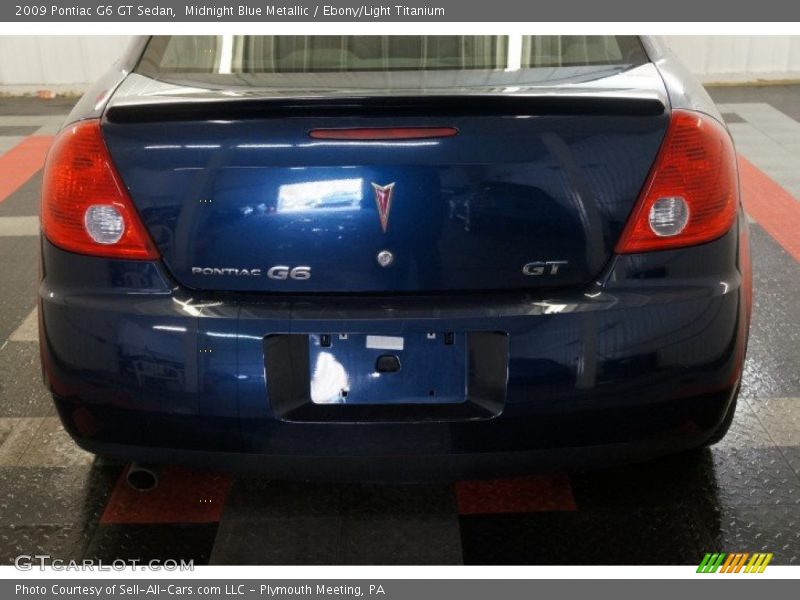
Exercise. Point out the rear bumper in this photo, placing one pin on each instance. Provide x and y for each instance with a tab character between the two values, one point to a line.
643	363
410	467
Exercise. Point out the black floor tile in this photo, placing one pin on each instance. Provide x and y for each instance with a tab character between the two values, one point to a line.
22	393
705	480
146	543
401	539
394	500
635	536
279	541
673	481
25	201
331	539
252	497
27	105
732	118
256	496
19	276
275	522
17	130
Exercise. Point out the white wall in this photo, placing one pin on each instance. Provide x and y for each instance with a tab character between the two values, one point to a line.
69	63
64	62
745	58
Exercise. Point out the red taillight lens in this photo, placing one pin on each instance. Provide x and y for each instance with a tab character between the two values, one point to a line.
692	192
85	207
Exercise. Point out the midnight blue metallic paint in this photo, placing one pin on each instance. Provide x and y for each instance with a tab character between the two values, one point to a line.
468	212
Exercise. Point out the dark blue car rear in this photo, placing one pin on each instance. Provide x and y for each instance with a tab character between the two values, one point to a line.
393	257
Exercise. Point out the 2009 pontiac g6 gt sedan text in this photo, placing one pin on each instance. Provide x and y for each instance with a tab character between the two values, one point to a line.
394	256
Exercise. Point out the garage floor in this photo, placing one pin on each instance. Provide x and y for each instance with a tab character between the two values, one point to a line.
744	495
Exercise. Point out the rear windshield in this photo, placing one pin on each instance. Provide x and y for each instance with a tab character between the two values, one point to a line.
215	58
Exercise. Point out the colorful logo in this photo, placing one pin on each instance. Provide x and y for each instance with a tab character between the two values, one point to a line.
723	562
383	198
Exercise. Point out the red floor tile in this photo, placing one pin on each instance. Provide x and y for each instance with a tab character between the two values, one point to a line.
182	496
21	162
539	493
775	209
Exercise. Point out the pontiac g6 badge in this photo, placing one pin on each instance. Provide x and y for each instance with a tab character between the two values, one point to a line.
383	198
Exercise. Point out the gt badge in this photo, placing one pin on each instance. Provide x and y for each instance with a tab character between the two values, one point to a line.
541	267
383	198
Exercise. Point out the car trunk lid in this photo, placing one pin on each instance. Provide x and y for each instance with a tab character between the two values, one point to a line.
530	189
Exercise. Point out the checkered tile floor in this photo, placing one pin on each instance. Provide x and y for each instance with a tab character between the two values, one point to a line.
743	495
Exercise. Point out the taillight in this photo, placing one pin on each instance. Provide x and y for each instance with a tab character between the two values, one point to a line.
691	194
85	207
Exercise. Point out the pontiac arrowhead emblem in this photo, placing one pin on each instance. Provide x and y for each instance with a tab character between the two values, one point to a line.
383	198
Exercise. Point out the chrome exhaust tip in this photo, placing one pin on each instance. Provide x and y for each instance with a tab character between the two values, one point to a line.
142	478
